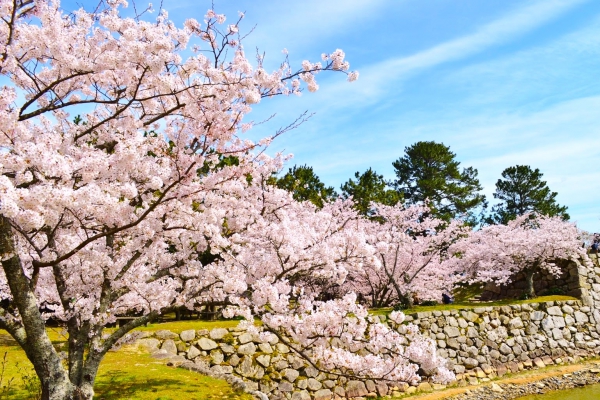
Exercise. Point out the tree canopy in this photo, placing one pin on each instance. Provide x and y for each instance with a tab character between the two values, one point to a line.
429	172
305	185
522	190
367	188
115	211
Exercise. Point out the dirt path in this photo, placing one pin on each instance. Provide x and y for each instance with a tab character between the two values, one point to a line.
520	379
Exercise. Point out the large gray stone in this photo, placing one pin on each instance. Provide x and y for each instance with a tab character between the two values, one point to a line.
515	323
149	344
218	333
265	348
290	374
247	349
301	383
581	318
548	324
555	310
207	344
217	357
329	384
188	335
161	354
537	315
193	352
470	363
382	389
227	348
323	394
559	322
285	386
505	349
470	316
169	346
264	360
472	332
247	369
451	331
356	389
281	364
245	338
282	348
567	309
301	395
176	361
314	384
234	360
557	334
164	334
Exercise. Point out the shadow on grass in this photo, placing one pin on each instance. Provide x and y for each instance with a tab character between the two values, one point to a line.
121	385
7	340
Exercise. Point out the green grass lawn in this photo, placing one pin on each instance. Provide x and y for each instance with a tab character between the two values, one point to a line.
179	326
468	305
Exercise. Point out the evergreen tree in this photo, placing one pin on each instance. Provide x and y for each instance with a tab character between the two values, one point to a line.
305	185
522	190
369	187
429	171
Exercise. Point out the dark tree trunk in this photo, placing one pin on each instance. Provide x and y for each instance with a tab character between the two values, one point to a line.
530	291
407	300
32	334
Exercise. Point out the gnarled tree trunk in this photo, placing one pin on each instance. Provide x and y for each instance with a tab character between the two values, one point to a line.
30	332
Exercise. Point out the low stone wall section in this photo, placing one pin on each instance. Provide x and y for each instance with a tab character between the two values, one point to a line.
480	343
487	342
270	367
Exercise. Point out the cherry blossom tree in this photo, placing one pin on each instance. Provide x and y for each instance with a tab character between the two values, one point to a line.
126	186
529	244
413	261
111	170
298	246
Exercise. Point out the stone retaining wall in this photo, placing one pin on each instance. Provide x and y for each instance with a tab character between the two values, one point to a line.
487	342
270	367
480	343
568	283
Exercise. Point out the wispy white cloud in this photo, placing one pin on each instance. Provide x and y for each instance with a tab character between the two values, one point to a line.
505	29
382	77
532	75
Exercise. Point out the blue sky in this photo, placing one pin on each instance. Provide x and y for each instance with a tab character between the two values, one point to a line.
500	82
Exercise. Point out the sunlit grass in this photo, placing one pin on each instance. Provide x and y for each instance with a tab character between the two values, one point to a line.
128	373
471	305
179	326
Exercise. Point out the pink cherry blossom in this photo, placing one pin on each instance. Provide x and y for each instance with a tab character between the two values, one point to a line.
116	194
